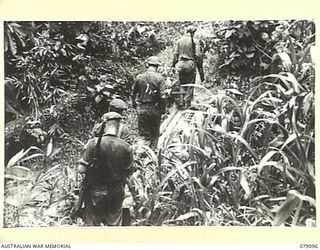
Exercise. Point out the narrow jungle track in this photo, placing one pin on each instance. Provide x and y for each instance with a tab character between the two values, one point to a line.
237	156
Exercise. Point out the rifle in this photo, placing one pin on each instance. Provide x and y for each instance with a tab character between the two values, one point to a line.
197	59
84	191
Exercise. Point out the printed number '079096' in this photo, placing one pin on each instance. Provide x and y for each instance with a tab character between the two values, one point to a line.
309	246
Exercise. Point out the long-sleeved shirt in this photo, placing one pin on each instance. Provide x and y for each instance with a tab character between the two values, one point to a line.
115	160
183	50
123	132
149	86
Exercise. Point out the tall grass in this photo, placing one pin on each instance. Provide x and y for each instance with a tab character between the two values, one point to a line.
231	162
239	159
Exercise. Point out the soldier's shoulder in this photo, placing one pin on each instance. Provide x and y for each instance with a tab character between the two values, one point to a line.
91	143
139	78
122	143
184	39
160	77
124	128
140	75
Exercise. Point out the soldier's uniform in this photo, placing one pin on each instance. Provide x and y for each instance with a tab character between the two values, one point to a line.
149	87
123	131
187	58
107	179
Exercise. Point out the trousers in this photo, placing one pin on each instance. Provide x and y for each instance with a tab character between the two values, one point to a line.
103	206
187	75
149	118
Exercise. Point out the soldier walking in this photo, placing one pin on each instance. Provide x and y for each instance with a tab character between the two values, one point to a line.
149	88
107	162
187	58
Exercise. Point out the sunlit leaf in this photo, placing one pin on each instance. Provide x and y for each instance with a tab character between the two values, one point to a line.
130	31
244	184
13	201
14	177
35	155
98	98
55	152
53	211
310	169
313	54
50	147
286	60
228	33
250	55
16	158
307	103
293	54
141	29
219	129
226	169
12	45
287	207
291	138
106	93
296	85
187	216
50	174
234	91
311	223
244	142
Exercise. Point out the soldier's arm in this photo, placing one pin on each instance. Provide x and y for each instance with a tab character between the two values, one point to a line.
163	99
175	55
199	61
87	157
95	130
129	168
125	134
135	88
83	166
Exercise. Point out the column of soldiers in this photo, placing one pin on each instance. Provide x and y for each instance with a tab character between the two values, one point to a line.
107	161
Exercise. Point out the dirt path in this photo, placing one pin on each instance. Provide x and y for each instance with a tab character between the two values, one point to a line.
177	119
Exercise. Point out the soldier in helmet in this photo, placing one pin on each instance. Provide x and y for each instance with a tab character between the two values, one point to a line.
107	162
119	106
187	58
149	88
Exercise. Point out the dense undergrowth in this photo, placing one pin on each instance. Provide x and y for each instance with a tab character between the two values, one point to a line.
243	156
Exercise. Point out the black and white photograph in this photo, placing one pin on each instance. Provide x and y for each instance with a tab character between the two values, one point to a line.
159	123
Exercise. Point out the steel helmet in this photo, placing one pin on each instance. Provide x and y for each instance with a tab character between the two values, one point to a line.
153	60
118	104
